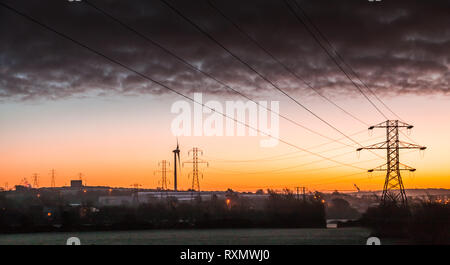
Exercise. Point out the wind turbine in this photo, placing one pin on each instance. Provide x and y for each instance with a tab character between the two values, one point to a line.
176	155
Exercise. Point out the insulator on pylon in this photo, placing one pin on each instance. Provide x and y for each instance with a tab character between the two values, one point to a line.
422	153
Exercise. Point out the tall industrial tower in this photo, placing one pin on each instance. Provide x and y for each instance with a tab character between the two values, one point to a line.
35	181
53	179
195	161
163	164
136	192
393	190
176	156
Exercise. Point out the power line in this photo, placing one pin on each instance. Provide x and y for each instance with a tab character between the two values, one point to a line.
281	156
161	84
209	36
210	76
286	154
322	182
340	179
332	57
299	165
407	137
315	183
254	41
193	67
342	60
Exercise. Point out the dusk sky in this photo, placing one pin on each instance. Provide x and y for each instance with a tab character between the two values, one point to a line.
63	107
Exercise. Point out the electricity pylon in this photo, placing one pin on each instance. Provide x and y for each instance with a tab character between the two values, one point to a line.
136	192
25	183
393	190
163	172
35	180
195	161
136	186
176	156
303	193
53	179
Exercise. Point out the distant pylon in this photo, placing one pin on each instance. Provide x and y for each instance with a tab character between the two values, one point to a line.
303	193
176	156
25	183
163	164
136	186
195	172
136	192
35	181
53	179
393	190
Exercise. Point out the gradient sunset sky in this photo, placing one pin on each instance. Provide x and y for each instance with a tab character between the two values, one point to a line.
65	108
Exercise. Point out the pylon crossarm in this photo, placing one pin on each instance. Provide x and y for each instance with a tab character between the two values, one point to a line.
385	168
404	145
404	125
385	124
382	145
379	168
405	167
379	125
376	169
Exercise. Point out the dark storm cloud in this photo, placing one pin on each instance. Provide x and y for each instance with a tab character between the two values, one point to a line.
397	47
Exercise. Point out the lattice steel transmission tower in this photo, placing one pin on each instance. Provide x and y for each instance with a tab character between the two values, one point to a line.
303	193
136	192
163	164
35	180
136	186
393	190
195	172
53	179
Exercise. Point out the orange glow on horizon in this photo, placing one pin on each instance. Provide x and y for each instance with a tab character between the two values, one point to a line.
123	147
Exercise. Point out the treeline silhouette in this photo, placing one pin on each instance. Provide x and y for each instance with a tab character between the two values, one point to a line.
277	210
420	223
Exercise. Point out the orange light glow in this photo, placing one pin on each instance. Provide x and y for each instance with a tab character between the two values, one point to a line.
121	145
